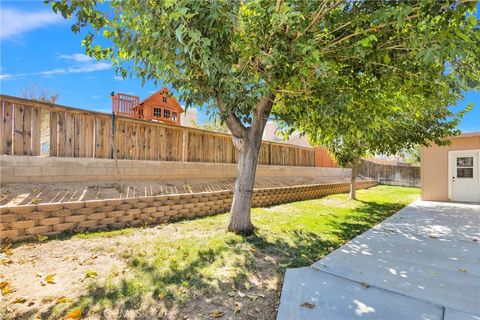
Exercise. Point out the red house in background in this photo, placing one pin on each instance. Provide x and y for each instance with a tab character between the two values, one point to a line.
160	106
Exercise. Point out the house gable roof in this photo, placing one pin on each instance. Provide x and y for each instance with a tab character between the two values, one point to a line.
170	98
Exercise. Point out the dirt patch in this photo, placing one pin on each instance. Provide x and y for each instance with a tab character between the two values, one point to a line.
78	265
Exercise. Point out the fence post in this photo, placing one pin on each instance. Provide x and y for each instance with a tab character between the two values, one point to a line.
112	137
269	153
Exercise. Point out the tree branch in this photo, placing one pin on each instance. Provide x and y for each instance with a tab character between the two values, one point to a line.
233	123
262	113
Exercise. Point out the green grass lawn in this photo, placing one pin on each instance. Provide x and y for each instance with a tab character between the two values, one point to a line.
200	268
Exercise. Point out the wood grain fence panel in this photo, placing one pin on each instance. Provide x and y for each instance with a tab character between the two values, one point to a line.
99	138
89	124
18	130
77	137
82	150
142	142
53	134
131	141
27	131
7	120
36	131
83	133
120	140
69	134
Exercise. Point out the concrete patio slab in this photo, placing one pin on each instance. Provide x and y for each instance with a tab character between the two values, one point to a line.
452	221
351	300
428	251
458	315
439	271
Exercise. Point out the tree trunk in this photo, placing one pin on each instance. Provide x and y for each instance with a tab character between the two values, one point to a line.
242	197
247	141
353	180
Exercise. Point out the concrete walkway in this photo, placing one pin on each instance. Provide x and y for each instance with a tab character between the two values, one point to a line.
421	263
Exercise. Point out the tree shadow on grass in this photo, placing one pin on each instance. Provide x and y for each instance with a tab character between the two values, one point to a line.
367	215
169	284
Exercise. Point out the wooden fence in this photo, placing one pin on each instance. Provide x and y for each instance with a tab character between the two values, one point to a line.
81	133
398	175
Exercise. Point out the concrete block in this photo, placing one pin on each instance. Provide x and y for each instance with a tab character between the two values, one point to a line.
38	230
22	209
63	226
22	224
105	209
115	214
51	221
9	234
76	218
49	207
95	203
8	217
73	205
97	216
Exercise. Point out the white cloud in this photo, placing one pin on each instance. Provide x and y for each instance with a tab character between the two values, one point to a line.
82	64
77	57
118	78
16	22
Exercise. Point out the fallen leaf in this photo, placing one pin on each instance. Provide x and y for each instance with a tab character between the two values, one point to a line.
36	200
38	274
20	300
50	278
63	299
41	237
6	290
241	294
90	274
231	294
5	261
365	284
43	283
307	305
31	303
217	314
462	270
75	314
3	284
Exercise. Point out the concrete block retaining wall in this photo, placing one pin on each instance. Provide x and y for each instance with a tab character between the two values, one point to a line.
28	221
31	169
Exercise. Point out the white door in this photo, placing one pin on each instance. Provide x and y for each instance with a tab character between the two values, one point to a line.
465	176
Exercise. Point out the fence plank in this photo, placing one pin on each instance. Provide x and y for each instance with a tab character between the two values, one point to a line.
36	131
120	140
62	134
100	132
53	133
89	136
18	130
27	131
7	128
77	136
69	134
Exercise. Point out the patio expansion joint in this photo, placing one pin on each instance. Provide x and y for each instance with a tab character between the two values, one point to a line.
380	288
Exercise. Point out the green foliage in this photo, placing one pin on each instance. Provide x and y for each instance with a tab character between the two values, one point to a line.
239	51
215	125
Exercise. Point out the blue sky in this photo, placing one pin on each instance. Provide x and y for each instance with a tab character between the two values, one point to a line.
38	48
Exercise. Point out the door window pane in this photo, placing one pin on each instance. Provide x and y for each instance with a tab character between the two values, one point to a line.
464	172
465	162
